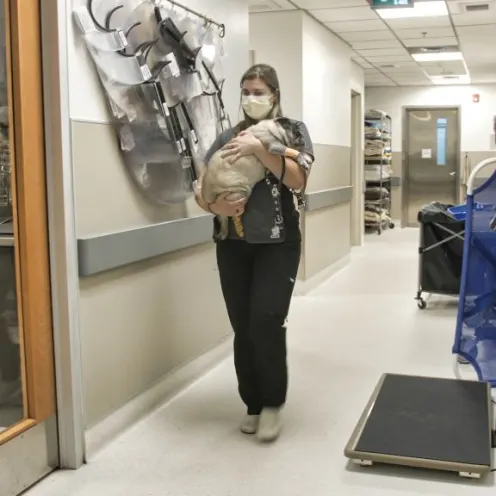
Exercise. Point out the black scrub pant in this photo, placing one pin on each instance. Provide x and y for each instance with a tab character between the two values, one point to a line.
257	282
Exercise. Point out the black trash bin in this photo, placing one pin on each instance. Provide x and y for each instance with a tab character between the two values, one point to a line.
440	251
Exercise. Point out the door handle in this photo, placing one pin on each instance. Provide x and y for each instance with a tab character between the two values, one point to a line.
452	173
6	240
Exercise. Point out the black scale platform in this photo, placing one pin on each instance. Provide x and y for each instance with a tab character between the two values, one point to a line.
428	423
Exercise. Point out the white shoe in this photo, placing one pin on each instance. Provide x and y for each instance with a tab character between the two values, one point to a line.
250	424
270	425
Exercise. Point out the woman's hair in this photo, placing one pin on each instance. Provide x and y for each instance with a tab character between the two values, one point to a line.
269	76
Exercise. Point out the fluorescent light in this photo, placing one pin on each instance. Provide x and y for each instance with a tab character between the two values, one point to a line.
420	9
439	56
461	79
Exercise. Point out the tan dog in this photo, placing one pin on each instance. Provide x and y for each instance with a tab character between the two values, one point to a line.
240	177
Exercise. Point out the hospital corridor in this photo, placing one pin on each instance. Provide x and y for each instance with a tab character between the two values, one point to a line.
247	247
343	336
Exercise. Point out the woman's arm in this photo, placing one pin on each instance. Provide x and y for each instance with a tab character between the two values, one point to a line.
294	178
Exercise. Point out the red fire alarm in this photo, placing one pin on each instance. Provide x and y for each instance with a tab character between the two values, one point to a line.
476	98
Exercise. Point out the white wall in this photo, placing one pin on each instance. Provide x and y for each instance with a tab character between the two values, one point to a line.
317	75
327	80
275	37
477	118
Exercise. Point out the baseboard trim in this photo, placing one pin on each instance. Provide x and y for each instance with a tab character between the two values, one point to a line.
303	288
174	383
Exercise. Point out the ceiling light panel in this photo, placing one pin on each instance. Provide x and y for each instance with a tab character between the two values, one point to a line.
431	42
436	8
435	57
340	15
347	26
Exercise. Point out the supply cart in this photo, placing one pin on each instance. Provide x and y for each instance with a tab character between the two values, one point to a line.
440	251
377	174
475	336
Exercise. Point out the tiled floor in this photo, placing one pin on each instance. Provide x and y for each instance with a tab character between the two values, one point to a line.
361	323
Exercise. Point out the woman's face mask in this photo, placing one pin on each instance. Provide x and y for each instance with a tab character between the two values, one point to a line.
257	107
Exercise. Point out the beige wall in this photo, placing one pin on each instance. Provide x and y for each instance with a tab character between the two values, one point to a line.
140	322
327	232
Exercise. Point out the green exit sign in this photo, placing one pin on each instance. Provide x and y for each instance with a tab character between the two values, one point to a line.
384	4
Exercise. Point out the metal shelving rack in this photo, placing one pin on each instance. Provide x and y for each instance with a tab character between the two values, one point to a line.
378	154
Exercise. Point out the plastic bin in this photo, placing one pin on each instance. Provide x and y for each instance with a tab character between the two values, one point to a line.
459	212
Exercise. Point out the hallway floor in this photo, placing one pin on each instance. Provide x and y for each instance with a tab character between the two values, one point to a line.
359	324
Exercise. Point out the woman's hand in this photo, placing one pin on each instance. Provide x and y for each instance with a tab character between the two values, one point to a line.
244	144
227	208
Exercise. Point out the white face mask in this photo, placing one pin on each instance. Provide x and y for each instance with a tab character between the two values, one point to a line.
257	107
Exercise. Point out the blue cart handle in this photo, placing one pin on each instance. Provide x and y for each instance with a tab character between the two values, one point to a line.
475	172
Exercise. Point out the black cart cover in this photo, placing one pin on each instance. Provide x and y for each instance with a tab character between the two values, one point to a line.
440	267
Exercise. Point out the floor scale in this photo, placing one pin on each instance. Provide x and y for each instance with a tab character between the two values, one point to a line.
424	422
446	424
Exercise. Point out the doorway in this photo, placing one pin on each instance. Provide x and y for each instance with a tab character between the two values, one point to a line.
28	424
431	159
357	230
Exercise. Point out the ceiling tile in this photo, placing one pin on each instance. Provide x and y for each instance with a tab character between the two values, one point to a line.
348	14
260	6
347	26
329	4
362	62
406	71
391	59
449	67
380	84
383	34
378	52
431	42
419	23
413	33
369	45
476	33
463	18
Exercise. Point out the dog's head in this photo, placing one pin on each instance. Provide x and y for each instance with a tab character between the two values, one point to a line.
269	131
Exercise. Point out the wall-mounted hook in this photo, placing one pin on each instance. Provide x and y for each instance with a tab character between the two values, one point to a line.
108	18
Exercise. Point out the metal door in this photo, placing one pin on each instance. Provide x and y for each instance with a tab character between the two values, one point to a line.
432	155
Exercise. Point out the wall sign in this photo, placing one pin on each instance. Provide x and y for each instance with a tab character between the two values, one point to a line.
384	4
426	153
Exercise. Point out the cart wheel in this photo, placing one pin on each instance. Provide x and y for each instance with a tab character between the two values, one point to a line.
391	226
422	304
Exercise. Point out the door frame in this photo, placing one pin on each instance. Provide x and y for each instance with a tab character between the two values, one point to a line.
56	39
357	228
404	155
